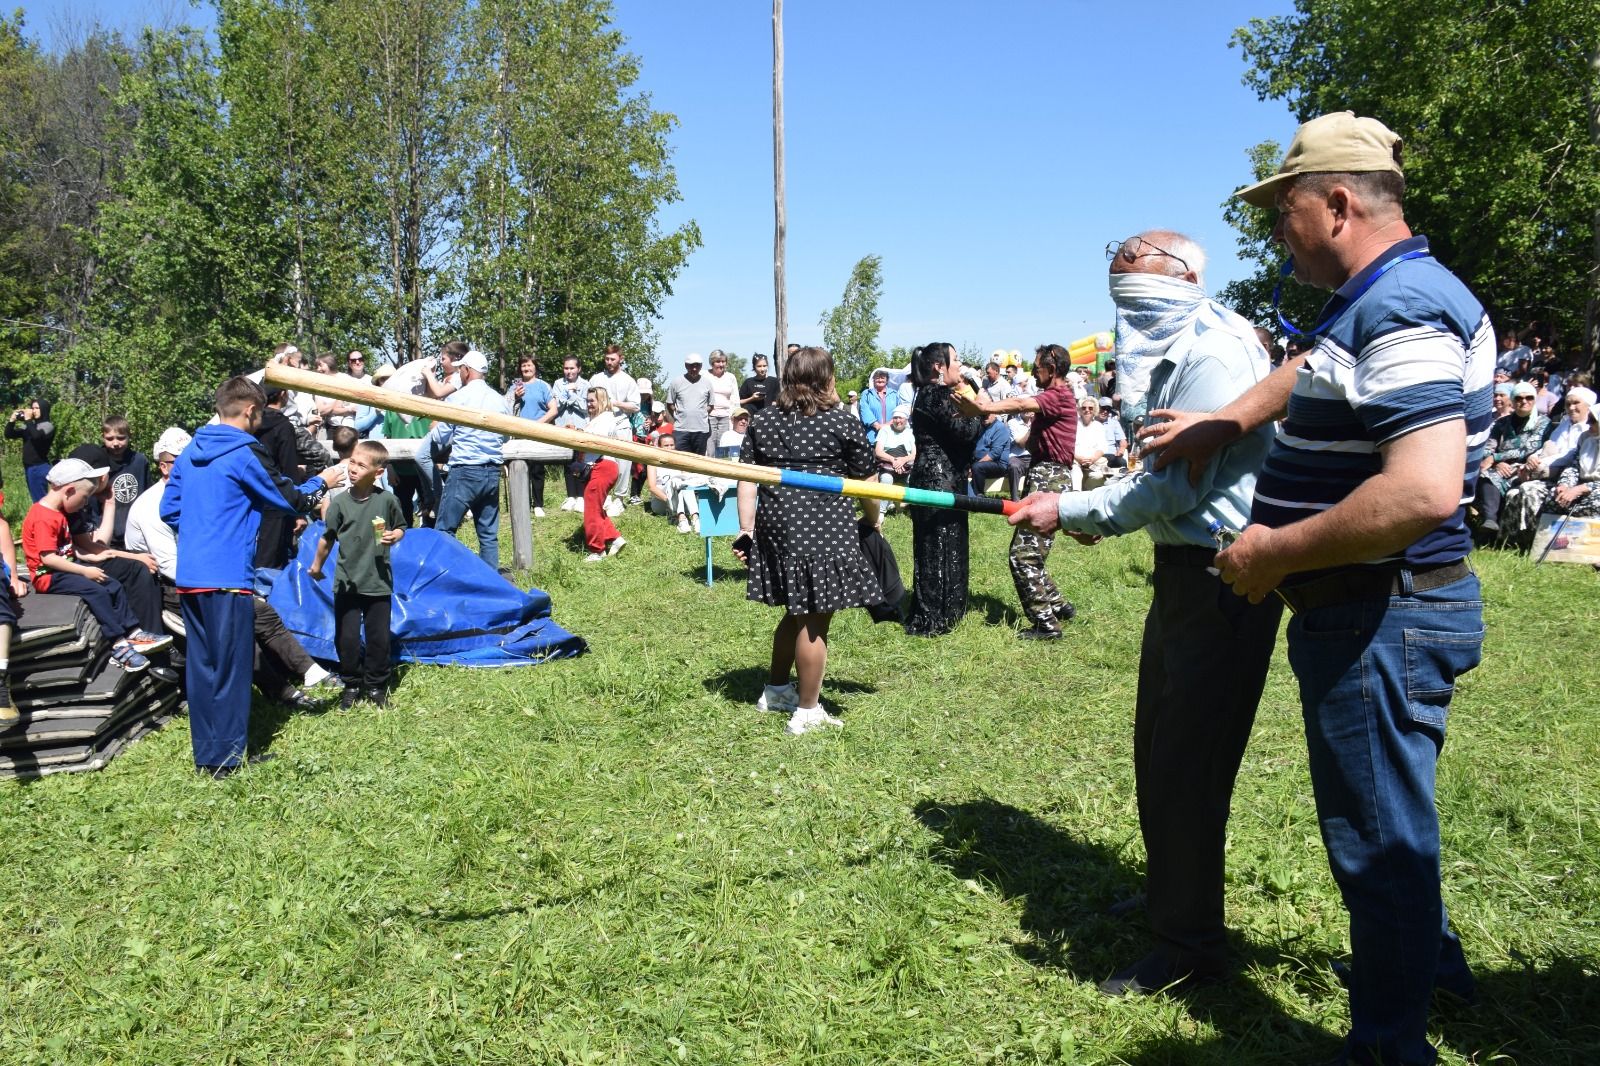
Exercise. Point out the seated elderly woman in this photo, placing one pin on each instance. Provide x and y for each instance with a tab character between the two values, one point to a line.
672	491
1576	489
1512	439
1089	448
895	451
1519	515
1576	492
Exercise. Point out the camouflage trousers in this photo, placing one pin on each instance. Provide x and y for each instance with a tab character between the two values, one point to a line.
1038	593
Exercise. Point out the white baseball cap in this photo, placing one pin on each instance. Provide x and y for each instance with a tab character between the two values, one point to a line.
68	471
171	442
475	360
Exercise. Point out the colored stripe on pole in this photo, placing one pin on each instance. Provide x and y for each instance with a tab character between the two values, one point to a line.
799	479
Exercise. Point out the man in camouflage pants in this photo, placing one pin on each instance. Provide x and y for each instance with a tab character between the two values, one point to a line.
1050	441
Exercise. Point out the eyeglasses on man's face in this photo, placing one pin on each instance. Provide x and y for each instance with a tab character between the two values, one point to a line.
1132	250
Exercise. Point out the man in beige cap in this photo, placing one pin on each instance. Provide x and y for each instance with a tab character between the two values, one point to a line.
1358	522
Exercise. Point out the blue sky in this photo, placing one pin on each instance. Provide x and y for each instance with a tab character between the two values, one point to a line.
986	151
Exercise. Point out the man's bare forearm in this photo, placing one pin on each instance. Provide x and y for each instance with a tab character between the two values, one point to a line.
1266	401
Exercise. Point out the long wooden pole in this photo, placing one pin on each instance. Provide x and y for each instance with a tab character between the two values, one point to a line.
780	224
341	388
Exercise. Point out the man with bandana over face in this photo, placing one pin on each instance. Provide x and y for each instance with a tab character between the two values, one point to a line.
1359	524
1204	658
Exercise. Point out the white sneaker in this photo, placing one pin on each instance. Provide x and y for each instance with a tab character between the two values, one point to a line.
577	508
694	520
593	557
778	699
566	504
810	719
683	524
538	512
613	507
615	546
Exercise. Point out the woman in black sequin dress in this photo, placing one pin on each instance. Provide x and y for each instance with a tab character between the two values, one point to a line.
945	441
804	548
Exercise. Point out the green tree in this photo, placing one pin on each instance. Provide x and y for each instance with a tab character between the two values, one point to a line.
62	138
1499	108
189	245
559	248
1251	296
850	329
22	293
290	95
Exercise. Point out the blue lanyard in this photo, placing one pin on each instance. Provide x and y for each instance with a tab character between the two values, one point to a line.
1321	327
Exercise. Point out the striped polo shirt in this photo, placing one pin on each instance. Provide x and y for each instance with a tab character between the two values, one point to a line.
1407	349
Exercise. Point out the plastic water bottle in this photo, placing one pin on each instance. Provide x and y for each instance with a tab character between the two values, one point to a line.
1221	536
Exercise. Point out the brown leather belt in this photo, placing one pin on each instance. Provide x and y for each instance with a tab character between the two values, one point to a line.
1372	583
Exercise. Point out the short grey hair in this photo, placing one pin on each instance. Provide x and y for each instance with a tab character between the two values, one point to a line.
1182	246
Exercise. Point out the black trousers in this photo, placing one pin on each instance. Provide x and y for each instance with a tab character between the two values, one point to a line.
536	483
351	613
983	470
281	660
693	442
1202	667
411	488
1489	499
141	589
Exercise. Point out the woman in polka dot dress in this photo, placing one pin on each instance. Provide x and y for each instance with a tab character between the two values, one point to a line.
803	548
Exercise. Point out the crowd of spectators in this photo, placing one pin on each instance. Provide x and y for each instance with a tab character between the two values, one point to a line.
1539	458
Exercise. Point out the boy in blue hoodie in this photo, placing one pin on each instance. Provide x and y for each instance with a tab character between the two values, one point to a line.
214	499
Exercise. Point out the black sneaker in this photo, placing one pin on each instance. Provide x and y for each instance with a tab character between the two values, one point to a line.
1041	631
9	715
378	696
296	700
349	698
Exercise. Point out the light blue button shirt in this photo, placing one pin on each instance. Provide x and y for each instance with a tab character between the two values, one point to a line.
470	446
1204	375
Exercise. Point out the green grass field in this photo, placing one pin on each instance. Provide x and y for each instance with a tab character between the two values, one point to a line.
616	859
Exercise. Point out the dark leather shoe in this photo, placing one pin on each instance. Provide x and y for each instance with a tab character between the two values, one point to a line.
349	697
1124	907
1157	972
1041	632
296	700
377	696
1455	988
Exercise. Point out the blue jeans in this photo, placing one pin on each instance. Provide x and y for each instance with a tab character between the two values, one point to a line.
477	489
1376	677
37	479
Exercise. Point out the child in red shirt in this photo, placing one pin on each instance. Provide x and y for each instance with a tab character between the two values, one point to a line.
47	547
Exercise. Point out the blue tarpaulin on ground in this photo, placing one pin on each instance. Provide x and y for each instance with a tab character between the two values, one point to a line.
450	607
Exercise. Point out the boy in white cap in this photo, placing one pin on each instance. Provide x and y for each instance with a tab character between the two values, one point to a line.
48	549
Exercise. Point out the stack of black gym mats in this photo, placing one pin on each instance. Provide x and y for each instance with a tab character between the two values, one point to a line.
79	709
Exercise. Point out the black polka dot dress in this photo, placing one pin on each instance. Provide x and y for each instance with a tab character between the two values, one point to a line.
807	554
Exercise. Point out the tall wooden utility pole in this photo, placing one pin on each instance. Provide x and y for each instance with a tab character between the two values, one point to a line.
779	292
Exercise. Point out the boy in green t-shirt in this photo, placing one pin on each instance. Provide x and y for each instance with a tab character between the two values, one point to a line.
365	521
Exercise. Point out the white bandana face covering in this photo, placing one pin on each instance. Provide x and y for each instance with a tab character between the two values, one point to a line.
1153	311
